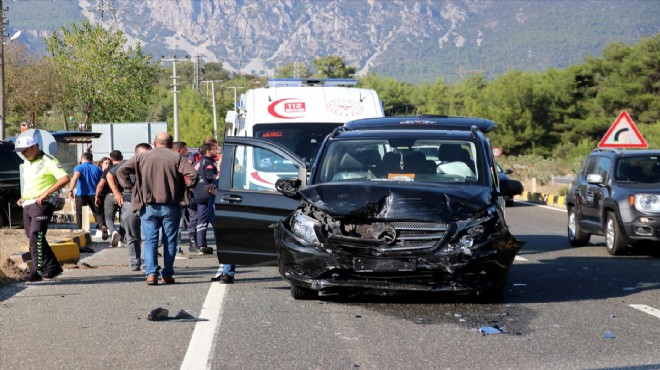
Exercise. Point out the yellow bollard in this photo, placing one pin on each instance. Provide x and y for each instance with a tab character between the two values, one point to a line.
66	252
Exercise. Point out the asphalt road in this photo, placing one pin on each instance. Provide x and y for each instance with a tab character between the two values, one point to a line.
560	304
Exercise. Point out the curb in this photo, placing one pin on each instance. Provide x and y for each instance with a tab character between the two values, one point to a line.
66	250
541	198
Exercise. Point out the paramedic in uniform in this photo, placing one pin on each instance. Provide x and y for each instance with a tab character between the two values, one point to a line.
41	177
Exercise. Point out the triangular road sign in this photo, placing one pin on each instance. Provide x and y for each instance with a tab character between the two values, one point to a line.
623	134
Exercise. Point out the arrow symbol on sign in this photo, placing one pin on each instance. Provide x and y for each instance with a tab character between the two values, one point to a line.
619	132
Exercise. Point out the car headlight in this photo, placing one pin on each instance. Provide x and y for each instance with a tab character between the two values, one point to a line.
474	233
304	227
647	202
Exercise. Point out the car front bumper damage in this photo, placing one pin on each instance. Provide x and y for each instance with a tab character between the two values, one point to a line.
447	267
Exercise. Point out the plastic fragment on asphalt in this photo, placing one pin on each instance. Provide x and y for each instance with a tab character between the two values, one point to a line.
488	330
183	315
608	335
158	314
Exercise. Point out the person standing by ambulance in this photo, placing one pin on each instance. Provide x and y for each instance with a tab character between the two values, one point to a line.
207	176
42	176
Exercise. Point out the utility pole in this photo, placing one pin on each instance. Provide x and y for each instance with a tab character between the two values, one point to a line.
198	71
233	87
2	71
174	88
215	114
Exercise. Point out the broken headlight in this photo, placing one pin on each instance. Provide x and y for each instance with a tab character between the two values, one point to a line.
647	202
305	227
474	233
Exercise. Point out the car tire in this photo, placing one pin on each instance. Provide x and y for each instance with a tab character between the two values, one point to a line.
576	237
492	295
4	220
614	238
300	293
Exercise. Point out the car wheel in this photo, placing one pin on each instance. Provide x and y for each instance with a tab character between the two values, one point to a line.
614	239
303	293
492	295
576	237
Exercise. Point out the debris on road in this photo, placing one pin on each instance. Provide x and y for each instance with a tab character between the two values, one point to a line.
488	330
158	314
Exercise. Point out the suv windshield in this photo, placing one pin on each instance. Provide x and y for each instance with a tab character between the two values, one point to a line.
645	169
425	159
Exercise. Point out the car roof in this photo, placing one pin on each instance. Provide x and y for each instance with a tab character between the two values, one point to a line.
424	122
384	133
626	152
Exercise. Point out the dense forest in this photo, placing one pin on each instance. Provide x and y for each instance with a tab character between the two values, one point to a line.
554	116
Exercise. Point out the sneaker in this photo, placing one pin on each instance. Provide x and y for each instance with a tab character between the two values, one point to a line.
135	268
53	272
104	232
31	278
226	279
114	242
168	280
205	250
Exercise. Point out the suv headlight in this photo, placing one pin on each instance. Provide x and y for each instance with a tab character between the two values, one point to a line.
304	227
647	202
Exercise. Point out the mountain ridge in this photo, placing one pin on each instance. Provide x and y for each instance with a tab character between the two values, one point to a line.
413	41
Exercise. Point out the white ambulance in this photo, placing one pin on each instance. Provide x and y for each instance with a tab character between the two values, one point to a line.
299	114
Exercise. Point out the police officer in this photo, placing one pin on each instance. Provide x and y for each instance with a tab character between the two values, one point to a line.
41	177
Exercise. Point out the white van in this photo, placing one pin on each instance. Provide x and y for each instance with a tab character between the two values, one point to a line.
298	113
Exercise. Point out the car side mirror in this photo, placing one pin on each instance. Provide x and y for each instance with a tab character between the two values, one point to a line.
509	188
288	187
594	178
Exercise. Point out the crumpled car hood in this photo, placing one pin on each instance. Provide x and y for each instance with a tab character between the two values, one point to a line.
437	202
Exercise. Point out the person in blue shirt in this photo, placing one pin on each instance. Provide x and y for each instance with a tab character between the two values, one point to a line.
86	177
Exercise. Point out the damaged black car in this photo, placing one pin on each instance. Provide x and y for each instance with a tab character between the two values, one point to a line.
395	204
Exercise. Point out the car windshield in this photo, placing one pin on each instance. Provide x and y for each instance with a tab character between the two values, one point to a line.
645	169
400	159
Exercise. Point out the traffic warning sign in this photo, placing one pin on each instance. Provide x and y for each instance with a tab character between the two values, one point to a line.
623	134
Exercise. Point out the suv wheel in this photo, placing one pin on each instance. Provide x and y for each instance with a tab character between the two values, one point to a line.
576	237
614	239
303	293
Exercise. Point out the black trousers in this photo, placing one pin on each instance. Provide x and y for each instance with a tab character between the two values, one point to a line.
35	221
88	200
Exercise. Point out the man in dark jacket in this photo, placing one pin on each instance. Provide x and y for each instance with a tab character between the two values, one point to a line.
158	194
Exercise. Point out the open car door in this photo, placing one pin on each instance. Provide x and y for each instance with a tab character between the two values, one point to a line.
247	203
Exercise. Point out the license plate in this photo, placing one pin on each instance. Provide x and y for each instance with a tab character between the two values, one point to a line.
384	264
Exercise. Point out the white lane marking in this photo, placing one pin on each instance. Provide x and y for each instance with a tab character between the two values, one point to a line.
543	206
647	309
201	343
518	258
